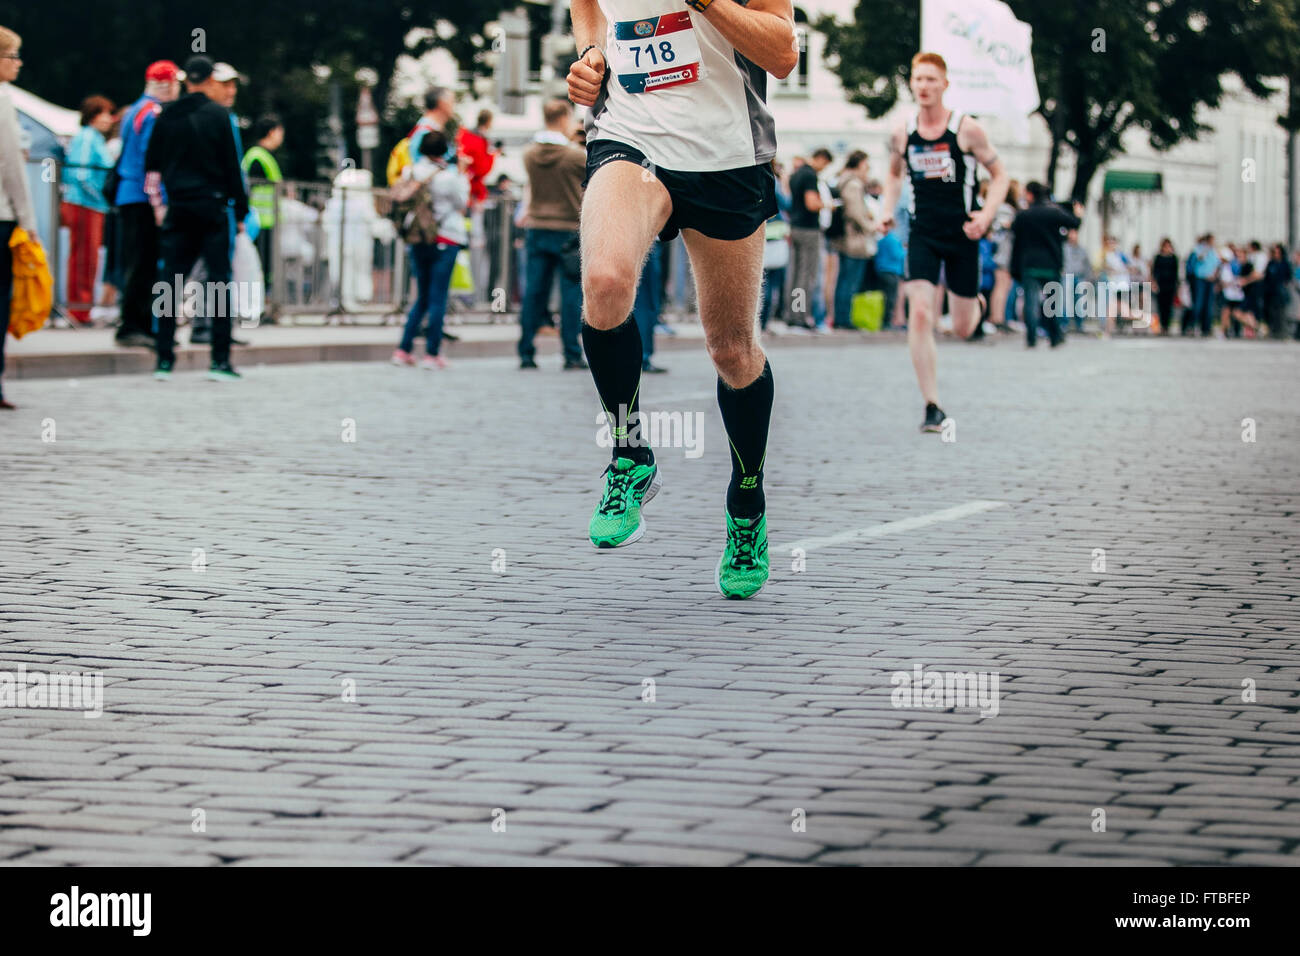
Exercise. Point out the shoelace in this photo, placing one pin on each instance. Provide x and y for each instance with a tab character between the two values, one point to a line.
620	483
745	553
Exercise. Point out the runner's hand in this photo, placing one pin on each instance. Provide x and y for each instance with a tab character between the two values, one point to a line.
585	78
977	225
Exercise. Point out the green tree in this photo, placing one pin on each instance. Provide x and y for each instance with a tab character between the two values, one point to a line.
73	49
1103	68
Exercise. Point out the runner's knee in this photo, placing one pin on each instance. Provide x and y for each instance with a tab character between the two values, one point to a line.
731	355
608	285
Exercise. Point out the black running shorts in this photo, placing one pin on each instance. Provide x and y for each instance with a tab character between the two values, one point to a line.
959	257
729	204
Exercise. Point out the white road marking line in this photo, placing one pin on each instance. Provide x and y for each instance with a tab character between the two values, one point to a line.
897	527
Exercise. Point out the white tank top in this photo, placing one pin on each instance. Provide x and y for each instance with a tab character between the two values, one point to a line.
679	92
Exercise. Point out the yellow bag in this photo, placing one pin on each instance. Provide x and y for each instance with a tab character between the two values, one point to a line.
33	292
462	277
867	311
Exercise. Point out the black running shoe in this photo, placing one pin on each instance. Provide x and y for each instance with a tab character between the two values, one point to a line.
934	418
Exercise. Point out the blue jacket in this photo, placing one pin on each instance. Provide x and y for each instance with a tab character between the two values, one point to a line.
889	254
137	127
1207	263
86	167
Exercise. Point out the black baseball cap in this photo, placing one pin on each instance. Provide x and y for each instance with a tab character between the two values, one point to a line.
198	68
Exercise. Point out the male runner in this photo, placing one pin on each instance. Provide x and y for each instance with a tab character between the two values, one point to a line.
938	148
679	140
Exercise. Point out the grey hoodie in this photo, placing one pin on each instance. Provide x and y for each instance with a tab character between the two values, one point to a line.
15	195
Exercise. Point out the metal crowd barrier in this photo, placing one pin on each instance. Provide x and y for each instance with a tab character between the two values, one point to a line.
335	252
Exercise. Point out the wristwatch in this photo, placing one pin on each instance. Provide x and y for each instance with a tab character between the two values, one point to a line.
700	5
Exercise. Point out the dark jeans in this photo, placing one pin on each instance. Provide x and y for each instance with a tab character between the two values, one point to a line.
545	251
6	289
646	309
1202	306
773	290
192	231
138	259
1034	315
889	285
1275	315
847	283
433	265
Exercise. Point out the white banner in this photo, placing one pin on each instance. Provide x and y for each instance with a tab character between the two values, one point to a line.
990	66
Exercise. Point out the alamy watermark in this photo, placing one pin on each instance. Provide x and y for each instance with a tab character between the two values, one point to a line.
1099	300
946	690
220	300
76	690
658	429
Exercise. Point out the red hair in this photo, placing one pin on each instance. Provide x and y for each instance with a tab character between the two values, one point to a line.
933	59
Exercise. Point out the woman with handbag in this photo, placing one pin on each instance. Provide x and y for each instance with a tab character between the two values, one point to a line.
16	210
435	228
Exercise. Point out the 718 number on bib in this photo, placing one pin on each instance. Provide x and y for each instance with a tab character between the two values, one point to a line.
665	54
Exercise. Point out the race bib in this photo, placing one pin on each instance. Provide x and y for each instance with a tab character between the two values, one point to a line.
932	162
656	52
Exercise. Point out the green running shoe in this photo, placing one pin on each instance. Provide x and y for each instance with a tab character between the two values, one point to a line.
223	373
742	571
628	486
163	372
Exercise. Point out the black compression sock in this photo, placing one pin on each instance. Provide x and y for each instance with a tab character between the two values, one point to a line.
746	415
615	359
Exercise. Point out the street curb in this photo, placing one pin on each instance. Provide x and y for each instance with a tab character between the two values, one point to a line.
140	361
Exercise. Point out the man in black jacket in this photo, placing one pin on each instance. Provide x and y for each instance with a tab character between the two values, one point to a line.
192	151
1037	258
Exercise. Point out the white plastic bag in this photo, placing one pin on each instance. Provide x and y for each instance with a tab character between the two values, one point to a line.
246	270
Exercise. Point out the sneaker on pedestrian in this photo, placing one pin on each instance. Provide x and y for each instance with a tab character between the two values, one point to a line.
428	363
934	418
223	373
163	371
402	358
664	329
578	365
7	405
649	368
823	329
527	363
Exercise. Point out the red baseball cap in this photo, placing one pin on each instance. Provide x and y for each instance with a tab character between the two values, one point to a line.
163	71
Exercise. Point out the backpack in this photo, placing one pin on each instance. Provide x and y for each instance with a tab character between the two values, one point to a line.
838	227
398	160
417	221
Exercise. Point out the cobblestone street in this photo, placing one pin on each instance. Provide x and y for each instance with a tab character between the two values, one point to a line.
348	614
